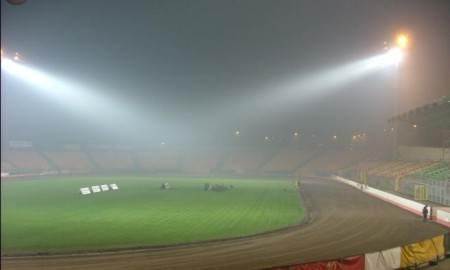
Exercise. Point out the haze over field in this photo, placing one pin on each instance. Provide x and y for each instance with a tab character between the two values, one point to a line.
184	72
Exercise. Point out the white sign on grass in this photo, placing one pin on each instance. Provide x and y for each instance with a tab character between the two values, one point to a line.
85	191
99	188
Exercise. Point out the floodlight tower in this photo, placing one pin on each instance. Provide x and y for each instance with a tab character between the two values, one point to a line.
402	43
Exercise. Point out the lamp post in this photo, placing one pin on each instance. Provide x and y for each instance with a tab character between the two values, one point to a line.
402	42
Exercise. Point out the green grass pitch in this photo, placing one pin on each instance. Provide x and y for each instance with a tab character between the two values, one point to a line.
50	215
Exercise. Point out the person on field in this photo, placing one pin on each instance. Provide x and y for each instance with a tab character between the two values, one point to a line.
425	212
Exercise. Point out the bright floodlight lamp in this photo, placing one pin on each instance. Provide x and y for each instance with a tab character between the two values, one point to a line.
402	41
296	134
237	132
17	57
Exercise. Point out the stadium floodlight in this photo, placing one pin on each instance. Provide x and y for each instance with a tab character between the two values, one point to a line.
402	41
17	57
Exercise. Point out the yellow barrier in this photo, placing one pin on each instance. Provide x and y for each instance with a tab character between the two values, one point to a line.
422	252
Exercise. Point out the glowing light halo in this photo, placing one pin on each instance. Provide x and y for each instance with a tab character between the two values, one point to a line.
402	40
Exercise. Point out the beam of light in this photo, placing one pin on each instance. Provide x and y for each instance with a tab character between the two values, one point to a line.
30	75
287	94
321	83
81	101
394	55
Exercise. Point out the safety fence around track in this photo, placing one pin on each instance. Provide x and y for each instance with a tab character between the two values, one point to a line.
423	253
437	191
441	216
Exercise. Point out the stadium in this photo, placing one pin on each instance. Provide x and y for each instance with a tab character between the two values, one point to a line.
296	177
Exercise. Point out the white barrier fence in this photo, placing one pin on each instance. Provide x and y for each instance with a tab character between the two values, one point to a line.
98	188
442	217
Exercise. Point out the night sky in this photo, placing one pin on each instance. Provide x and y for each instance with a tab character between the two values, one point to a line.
194	70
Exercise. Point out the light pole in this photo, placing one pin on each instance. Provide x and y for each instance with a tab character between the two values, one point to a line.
401	44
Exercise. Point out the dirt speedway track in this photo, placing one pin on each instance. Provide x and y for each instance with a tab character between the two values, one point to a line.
343	222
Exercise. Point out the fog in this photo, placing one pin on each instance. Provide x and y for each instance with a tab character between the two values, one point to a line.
183	73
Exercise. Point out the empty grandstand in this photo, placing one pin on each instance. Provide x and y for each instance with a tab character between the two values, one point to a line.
419	168
162	159
26	161
70	161
438	171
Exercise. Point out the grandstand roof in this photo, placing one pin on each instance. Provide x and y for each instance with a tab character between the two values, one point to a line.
434	115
